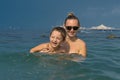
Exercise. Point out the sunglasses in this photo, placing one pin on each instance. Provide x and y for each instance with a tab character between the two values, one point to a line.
72	27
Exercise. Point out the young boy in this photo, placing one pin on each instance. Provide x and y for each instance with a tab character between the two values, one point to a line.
57	37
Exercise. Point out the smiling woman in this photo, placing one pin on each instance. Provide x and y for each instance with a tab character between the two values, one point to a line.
57	37
76	45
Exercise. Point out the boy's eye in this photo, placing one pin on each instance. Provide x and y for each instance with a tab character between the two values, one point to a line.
56	37
59	38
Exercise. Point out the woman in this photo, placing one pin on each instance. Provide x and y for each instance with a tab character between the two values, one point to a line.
72	25
57	37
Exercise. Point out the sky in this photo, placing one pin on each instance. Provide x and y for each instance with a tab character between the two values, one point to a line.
49	13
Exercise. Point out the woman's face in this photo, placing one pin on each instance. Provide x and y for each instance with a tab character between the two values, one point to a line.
71	27
55	39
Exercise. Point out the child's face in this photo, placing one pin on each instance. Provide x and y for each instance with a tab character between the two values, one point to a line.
55	39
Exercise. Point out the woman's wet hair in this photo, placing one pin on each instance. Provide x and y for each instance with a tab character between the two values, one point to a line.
71	16
61	30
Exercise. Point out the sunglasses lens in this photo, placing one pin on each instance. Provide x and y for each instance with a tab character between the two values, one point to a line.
75	28
70	27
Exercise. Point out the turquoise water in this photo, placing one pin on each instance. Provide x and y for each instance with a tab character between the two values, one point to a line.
102	62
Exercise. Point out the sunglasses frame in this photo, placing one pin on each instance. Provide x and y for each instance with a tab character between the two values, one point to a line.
72	27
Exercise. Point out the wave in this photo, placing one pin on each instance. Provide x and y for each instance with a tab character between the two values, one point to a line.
100	27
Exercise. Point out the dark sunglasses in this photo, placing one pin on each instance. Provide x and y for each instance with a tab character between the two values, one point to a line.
72	27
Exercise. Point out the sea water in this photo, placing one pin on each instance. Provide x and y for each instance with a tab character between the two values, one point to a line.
16	63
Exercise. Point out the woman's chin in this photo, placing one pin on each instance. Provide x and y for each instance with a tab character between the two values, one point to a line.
71	35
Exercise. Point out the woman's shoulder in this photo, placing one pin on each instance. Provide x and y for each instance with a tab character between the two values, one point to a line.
80	41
